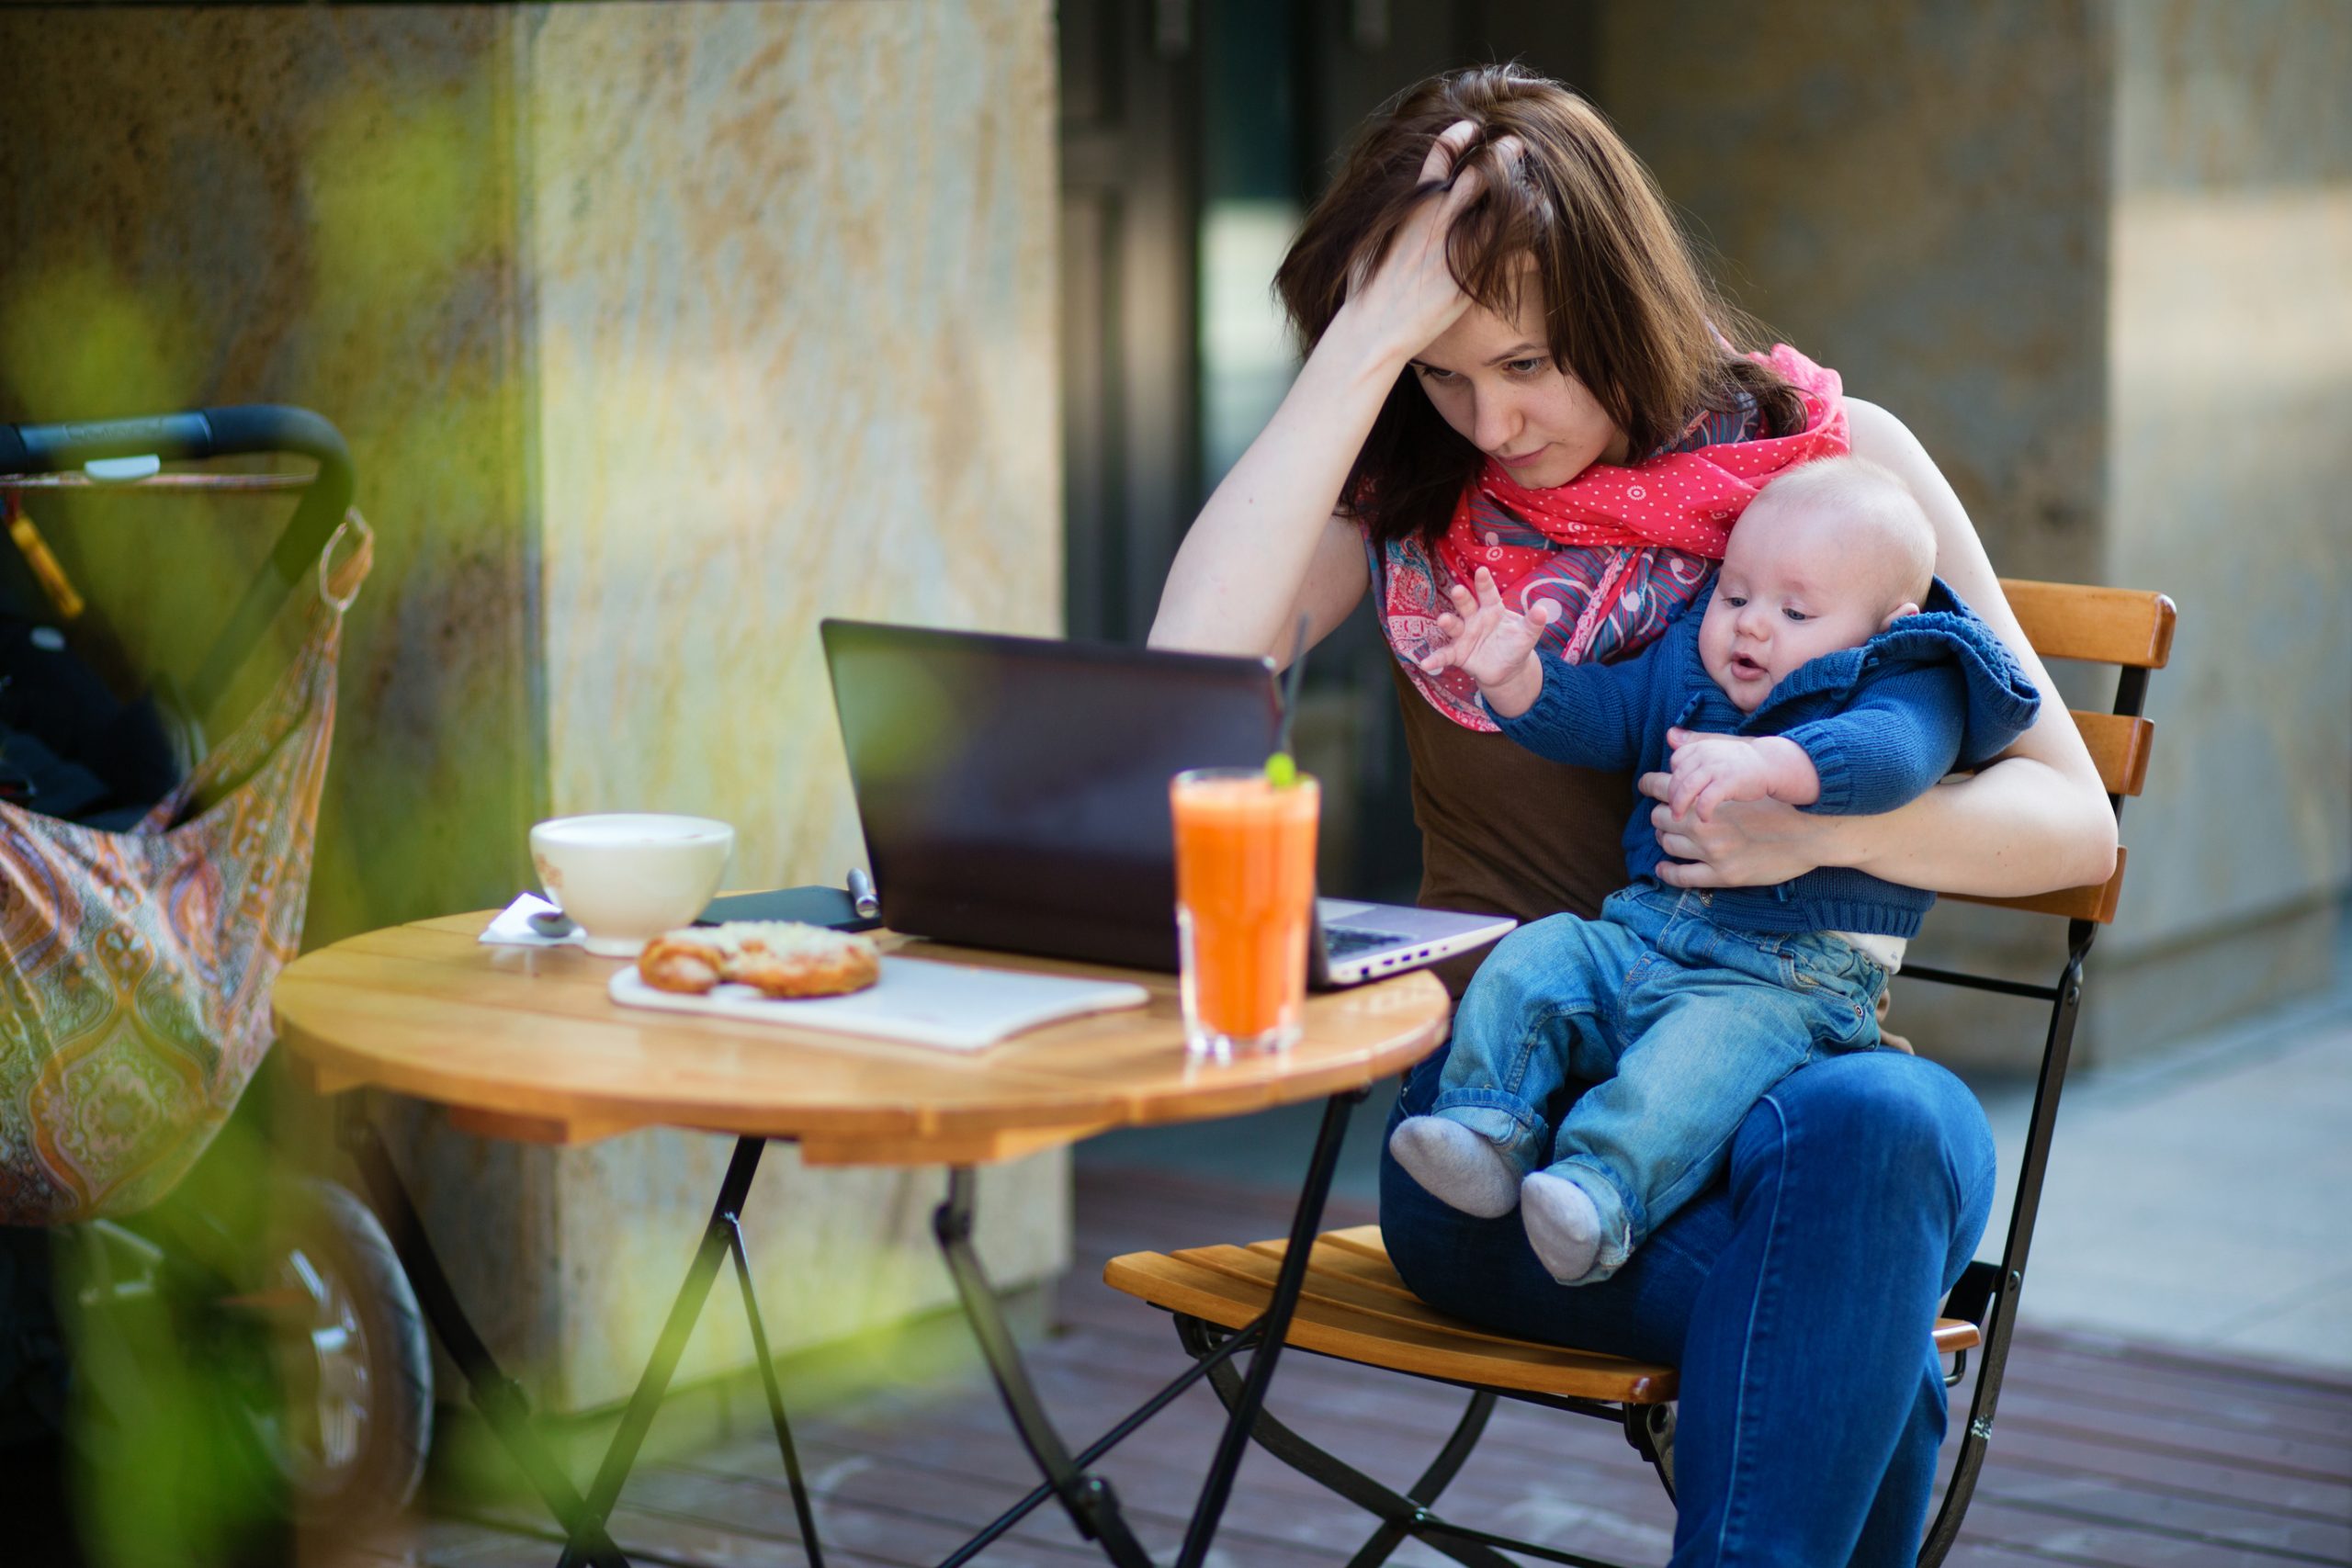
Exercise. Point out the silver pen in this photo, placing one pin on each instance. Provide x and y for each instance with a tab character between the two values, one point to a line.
862	897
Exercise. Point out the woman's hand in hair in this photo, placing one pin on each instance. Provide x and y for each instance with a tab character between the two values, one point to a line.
1274	539
1410	296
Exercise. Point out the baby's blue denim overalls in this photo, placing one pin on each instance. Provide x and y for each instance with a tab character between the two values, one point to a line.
1680	1024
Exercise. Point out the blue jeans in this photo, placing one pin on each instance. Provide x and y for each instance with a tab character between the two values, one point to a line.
1678	1023
1796	1297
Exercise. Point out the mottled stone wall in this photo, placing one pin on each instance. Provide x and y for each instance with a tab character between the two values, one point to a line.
2230	472
1914	195
793	272
792	311
658	332
223	205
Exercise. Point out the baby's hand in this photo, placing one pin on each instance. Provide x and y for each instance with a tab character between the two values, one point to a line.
1496	646
1711	769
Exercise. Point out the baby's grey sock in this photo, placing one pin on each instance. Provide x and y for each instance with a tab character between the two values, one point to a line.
1562	1226
1458	1167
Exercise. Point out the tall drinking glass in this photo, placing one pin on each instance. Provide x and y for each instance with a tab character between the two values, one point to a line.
1245	892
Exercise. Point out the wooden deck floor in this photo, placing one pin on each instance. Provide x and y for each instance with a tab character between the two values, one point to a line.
2109	1454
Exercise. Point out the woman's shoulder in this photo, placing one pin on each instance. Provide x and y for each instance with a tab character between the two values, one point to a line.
1878	436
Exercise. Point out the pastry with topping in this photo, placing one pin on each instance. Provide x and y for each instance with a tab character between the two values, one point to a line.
778	958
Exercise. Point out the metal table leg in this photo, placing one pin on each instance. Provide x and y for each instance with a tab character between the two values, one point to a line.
1092	1506
1306	1222
500	1400
1088	1500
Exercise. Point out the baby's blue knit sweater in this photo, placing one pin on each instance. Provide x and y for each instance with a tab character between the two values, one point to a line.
1882	722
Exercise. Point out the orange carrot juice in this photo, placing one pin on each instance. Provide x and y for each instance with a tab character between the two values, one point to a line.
1245	888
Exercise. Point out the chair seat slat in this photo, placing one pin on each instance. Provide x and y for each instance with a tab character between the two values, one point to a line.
1356	1289
1335	1329
1354	1306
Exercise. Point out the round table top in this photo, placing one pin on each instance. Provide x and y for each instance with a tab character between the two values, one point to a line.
525	1042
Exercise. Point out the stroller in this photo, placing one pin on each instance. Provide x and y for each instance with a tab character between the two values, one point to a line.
240	1350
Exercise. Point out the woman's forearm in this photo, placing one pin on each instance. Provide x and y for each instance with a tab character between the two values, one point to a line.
2019	827
1238	577
2035	822
2016	828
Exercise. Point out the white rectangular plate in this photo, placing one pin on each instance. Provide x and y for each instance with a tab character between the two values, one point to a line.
955	1006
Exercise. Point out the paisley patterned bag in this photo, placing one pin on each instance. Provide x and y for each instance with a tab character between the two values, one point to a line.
135	967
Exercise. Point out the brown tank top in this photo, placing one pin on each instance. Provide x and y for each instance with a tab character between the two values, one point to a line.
1505	831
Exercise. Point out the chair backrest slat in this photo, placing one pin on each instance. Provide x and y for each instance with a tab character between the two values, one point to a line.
2096	902
2105	626
2123	627
2120	746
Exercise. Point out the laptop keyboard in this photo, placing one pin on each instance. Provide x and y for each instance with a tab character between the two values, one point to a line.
1346	941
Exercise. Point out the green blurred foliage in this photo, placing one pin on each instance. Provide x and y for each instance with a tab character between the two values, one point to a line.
175	1410
392	195
82	341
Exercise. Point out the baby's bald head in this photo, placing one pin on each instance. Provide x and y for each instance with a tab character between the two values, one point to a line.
1851	514
1830	555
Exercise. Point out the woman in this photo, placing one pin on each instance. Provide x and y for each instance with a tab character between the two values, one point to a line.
1514	362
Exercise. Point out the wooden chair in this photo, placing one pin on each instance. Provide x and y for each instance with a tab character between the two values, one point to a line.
1355	1307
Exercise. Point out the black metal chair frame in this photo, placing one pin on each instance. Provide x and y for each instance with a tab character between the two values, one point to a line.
1985	1295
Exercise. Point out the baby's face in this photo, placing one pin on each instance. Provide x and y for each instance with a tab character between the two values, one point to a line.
1794	586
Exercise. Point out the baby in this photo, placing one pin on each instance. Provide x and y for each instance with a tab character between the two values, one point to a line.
1829	668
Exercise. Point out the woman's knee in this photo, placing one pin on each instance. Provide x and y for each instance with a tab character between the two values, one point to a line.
1888	1122
1446	1257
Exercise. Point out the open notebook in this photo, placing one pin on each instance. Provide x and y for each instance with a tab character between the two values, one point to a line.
957	1007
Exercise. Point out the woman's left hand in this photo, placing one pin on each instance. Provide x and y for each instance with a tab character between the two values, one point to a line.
1749	844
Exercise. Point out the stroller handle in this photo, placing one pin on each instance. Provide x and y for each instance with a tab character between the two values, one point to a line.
236	430
227	431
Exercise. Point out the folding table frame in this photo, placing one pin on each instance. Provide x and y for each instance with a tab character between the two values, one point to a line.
1093	1507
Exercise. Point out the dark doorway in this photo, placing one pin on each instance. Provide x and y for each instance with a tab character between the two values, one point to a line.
1193	137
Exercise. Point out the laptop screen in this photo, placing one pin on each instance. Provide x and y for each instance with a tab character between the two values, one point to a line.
1013	791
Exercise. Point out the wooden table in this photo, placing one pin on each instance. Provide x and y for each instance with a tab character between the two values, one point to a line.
525	1042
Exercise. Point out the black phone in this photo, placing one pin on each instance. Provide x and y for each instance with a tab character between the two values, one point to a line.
816	906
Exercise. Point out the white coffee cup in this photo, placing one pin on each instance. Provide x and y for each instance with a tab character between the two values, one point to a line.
627	876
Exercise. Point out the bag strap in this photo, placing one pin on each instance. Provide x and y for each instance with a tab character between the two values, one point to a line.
339	586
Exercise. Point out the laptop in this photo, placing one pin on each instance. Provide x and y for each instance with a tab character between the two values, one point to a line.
1014	795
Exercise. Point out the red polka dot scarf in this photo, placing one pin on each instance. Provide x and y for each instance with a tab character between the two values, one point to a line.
1621	550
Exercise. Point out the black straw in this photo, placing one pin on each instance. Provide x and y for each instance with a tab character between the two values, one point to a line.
1290	683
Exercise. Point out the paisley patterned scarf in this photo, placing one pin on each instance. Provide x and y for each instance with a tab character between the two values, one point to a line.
1622	549
135	967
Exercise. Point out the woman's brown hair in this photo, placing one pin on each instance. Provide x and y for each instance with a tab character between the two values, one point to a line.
1627	310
